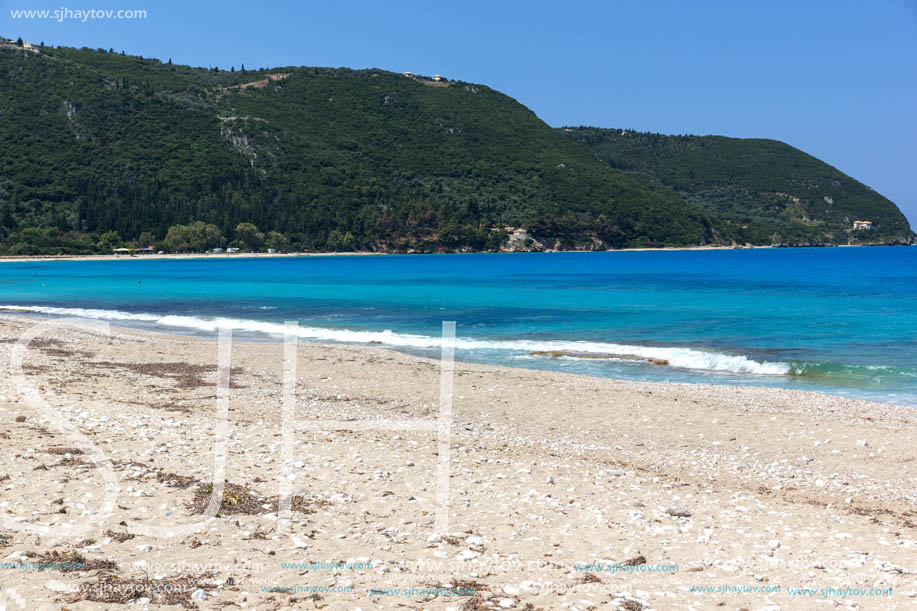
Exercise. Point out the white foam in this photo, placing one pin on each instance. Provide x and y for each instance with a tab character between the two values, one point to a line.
687	358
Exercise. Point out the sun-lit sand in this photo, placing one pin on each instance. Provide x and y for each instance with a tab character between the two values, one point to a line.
551	475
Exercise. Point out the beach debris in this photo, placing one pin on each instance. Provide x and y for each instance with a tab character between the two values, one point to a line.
238	499
679	513
176	481
72	561
114	589
120	537
64	451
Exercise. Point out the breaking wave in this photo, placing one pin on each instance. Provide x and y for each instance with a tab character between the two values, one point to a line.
687	358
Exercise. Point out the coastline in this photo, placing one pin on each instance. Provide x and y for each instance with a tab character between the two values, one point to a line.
743	486
194	256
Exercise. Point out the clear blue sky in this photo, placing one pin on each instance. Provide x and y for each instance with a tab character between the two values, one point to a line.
837	79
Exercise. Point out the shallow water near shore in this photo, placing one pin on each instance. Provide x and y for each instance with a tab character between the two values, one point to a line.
835	320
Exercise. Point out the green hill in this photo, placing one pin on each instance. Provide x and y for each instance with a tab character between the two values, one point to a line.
104	150
767	190
325	158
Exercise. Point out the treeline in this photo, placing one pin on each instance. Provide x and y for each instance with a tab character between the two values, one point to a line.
198	237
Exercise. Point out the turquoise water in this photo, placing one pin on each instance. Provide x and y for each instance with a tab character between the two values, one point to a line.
836	320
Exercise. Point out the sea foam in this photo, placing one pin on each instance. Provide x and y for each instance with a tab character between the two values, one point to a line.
686	358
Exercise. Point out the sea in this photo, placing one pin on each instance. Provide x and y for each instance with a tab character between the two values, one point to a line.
841	321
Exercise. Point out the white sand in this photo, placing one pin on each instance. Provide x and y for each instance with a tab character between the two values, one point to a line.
770	488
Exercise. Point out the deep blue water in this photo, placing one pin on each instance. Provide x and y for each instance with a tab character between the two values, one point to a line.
836	320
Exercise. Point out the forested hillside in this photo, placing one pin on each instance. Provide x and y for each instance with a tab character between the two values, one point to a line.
767	190
103	150
336	159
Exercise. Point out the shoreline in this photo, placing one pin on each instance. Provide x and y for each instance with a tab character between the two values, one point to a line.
550	472
261	336
202	256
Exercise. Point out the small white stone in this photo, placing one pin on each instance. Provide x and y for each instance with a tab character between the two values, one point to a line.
773	544
199	595
507	603
467	555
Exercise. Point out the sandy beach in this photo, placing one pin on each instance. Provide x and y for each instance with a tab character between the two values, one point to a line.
566	492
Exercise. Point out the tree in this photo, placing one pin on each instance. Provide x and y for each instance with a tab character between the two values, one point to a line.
109	240
177	238
19	41
204	236
249	235
277	241
146	239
